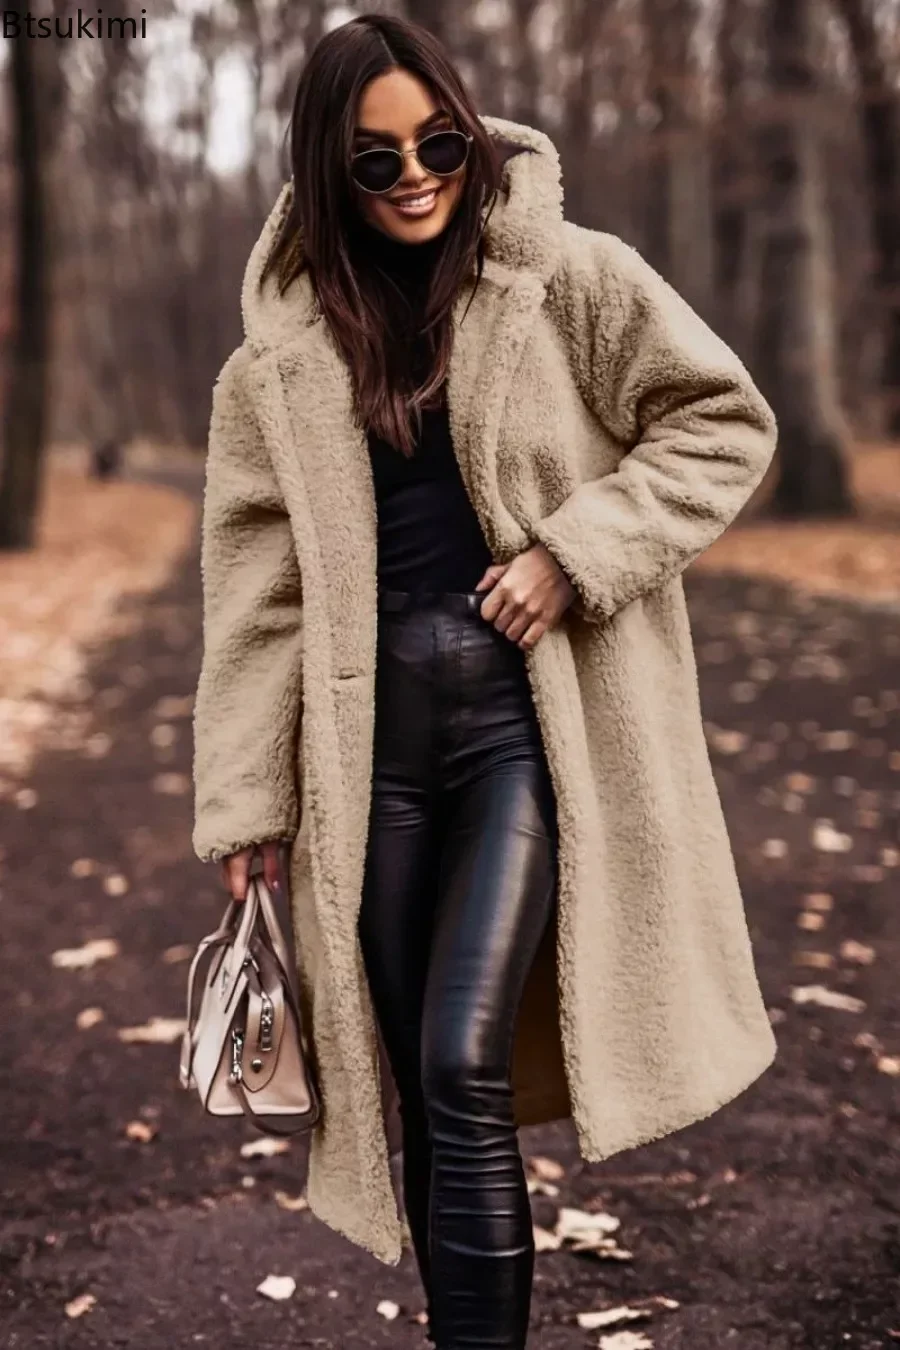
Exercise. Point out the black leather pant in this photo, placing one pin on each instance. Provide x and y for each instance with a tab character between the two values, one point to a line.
460	884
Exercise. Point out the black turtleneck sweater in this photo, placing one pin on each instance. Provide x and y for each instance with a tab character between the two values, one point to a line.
429	537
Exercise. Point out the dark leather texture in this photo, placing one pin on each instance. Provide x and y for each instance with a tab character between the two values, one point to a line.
460	885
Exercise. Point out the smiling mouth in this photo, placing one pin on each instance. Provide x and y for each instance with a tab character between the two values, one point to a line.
420	199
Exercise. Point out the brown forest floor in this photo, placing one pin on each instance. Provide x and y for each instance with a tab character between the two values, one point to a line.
775	1225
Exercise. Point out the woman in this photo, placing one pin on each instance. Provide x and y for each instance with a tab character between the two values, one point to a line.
455	471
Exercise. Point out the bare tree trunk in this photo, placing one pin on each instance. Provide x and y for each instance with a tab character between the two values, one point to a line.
880	102
436	16
25	414
583	22
682	240
735	185
527	65
796	338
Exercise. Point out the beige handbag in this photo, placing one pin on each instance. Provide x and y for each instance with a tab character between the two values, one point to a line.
245	1050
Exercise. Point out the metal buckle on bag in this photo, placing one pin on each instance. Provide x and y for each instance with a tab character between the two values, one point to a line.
267	1015
237	1046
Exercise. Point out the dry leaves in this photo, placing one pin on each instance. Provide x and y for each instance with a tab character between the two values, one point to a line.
856	557
542	1174
96	543
580	1231
591	1321
625	1340
827	998
388	1309
182	951
89	1017
77	1307
80	958
172	784
140	1131
158	1031
266	1147
827	839
277	1287
293	1203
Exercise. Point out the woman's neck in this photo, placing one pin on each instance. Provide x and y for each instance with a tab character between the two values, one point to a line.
397	257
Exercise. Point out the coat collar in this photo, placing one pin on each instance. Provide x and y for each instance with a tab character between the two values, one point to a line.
523	236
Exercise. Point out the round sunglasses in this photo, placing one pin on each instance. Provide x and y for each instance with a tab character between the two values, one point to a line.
442	153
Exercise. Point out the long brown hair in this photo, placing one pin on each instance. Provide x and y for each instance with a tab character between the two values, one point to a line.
361	311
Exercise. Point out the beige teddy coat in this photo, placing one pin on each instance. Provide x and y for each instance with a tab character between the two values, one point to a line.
592	410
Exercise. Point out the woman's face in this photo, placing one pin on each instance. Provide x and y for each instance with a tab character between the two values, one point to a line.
397	110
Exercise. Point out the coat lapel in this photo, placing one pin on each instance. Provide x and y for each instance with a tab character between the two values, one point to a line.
303	380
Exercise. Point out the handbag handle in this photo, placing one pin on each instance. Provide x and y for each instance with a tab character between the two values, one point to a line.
273	927
225	933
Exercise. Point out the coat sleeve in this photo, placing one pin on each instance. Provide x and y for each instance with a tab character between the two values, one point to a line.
249	693
698	434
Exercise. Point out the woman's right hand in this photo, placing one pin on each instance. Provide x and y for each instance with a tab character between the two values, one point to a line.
236	867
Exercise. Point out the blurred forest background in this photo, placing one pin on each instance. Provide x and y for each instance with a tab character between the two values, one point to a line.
749	148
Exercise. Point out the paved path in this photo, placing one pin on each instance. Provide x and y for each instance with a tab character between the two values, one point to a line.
775	1225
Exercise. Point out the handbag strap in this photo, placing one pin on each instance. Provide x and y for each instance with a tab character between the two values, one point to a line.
273	928
226	933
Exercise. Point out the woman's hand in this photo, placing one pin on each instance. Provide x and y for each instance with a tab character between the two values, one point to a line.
236	868
529	595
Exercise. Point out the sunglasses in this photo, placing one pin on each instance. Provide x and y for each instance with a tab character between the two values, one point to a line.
442	153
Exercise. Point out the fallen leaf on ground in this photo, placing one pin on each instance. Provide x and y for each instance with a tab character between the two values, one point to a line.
388	1309
294	1203
625	1340
267	1147
89	1017
576	1223
545	1169
814	960
857	951
536	1187
888	1064
827	839
590	1321
277	1287
727	742
182	951
115	884
140	1131
544	1240
80	1305
158	1031
819	901
585	1232
79	958
84	867
172	784
172	707
827	998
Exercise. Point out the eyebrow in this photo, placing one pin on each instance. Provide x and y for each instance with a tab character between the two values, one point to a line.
365	132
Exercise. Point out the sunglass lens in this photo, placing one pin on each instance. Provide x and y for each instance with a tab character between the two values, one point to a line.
444	152
377	170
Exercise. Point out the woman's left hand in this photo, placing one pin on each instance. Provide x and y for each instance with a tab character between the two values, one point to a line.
528	596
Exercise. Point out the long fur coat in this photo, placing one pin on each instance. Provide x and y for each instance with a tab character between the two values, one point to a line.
590	409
